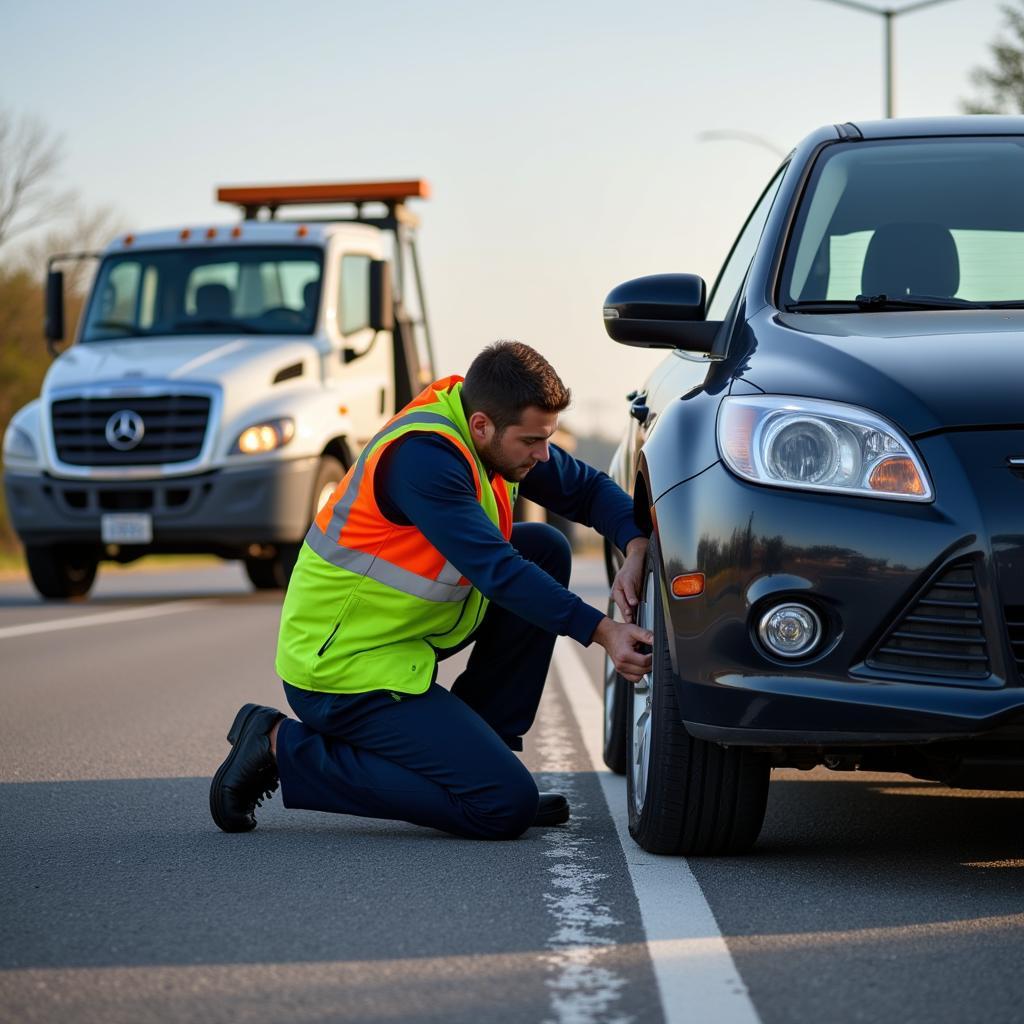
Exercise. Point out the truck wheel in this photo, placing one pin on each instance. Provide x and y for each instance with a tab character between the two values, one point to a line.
60	573
615	699
273	573
686	796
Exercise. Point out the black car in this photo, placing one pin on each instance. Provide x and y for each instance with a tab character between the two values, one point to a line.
831	462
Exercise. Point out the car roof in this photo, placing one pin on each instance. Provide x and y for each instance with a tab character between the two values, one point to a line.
922	127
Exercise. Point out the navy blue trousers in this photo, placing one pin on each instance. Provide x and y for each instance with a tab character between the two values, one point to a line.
440	759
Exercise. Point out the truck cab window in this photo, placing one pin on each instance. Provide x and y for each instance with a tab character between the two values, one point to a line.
354	297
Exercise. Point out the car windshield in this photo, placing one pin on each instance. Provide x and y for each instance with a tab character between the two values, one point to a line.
910	223
236	290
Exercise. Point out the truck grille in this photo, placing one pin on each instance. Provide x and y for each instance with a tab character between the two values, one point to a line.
174	429
1015	627
942	632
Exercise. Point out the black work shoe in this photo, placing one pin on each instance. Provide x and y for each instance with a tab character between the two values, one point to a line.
552	810
248	773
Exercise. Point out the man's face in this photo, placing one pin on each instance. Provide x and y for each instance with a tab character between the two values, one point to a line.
519	447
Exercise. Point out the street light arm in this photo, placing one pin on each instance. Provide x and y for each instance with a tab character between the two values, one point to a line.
738	136
917	6
867	8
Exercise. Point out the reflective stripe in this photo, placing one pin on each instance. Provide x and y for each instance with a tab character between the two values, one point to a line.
394	576
339	515
449	574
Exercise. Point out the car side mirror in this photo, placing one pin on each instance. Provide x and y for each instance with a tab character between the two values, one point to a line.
54	320
661	311
382	316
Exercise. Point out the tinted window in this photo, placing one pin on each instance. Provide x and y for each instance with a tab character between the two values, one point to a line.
735	269
246	290
935	217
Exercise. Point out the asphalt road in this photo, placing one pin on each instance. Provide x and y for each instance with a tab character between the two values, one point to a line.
869	897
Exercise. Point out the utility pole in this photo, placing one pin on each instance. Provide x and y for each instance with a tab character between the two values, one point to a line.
889	14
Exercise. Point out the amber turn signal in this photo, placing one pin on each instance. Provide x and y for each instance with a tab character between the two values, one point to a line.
690	585
897	475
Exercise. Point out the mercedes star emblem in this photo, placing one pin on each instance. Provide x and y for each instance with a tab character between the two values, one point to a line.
125	430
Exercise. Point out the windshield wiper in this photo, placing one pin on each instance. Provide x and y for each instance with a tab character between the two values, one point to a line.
212	324
882	303
115	325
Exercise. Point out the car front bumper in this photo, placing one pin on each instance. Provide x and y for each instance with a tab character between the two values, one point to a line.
861	563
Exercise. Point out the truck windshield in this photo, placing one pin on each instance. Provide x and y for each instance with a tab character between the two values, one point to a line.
227	290
910	223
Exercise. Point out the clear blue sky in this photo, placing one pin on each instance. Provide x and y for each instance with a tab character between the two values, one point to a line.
560	138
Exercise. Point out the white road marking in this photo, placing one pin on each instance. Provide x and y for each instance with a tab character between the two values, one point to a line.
102	619
696	976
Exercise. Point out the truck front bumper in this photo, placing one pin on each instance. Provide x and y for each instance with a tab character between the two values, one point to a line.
221	512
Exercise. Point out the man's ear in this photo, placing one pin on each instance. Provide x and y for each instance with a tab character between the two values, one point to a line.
481	427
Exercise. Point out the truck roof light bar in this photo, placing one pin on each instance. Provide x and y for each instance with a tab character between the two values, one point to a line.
253	198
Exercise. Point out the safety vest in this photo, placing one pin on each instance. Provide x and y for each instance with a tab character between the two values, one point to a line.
370	603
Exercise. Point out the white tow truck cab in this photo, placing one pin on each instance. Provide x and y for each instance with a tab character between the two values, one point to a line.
221	381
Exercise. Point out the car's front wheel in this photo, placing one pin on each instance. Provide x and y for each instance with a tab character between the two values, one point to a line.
686	796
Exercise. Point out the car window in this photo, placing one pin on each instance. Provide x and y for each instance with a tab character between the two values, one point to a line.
933	217
734	270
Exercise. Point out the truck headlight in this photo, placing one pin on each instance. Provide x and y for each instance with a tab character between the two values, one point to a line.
819	446
18	445
264	437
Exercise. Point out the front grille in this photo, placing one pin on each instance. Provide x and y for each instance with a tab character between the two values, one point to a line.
942	632
175	426
1015	628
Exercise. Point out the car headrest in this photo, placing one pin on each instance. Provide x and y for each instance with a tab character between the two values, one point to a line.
919	259
213	300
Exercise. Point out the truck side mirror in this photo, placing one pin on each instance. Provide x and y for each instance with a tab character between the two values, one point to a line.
54	321
382	317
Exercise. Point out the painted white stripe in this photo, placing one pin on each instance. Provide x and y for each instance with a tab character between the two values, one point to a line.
696	976
104	618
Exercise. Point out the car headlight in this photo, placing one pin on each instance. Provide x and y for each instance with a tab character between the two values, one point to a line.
264	437
819	446
18	445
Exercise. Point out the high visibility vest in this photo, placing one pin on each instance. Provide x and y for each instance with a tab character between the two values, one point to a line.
370	603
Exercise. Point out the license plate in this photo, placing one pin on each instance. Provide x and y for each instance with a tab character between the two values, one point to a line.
126	528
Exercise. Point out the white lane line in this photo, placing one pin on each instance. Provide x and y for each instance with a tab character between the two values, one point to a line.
696	976
103	619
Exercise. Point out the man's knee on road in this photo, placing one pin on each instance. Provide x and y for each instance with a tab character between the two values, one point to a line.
546	546
508	810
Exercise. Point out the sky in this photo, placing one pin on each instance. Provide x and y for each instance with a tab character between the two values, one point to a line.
562	141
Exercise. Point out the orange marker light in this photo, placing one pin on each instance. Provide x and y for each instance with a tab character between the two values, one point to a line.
185	235
343	409
128	239
302	231
211	233
897	475
236	232
690	585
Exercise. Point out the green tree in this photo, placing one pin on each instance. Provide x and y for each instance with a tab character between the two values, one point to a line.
1002	86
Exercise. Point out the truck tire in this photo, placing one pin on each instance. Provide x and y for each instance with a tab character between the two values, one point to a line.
685	796
616	696
273	573
60	573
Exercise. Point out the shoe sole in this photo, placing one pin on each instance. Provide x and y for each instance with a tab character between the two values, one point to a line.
559	816
216	810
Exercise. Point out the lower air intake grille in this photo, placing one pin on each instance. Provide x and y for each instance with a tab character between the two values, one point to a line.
942	632
1015	627
167	428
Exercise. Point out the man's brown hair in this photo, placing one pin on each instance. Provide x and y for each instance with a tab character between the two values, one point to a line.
506	378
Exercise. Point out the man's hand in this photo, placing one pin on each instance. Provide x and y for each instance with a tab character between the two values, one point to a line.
621	640
628	582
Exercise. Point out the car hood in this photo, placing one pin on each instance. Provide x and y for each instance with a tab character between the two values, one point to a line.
197	360
925	371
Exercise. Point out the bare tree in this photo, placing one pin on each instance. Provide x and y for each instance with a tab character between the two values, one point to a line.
29	158
1004	83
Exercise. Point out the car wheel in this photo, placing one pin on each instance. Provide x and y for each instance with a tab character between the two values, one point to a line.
59	573
686	796
615	710
274	572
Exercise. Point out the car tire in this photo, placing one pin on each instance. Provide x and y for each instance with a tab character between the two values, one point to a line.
61	573
685	795
616	695
273	573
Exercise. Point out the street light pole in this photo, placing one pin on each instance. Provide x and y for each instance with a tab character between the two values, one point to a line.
889	14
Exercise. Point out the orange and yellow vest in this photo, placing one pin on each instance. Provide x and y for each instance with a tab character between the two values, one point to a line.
370	602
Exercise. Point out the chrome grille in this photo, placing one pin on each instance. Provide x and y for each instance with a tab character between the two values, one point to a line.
942	633
175	427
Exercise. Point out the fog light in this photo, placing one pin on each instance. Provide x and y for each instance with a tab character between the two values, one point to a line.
790	630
